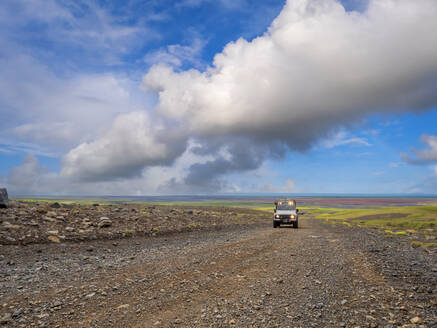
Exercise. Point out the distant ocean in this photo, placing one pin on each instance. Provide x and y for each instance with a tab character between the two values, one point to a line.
227	197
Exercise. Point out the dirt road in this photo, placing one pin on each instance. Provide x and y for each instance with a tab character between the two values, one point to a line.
240	276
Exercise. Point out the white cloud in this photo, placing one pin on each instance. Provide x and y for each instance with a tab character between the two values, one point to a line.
85	26
25	177
422	156
61	112
176	55
131	143
229	4
14	147
317	69
288	187
342	138
32	178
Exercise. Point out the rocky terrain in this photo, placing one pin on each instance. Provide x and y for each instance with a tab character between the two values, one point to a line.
205	267
31	222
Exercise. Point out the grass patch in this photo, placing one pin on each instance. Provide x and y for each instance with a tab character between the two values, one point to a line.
399	233
424	245
418	218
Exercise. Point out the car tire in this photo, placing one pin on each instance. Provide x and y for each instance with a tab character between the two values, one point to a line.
275	225
295	225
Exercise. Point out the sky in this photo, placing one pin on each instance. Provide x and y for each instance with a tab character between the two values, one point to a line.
201	97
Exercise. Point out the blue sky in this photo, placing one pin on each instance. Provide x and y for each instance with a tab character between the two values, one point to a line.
200	96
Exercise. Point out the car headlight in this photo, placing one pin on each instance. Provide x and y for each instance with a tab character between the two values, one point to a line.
293	216
277	216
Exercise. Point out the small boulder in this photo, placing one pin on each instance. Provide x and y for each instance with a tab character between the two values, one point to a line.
7	226
104	222
4	200
32	223
51	214
5	318
416	320
55	205
54	239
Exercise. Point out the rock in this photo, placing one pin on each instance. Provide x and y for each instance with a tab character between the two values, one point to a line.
55	205
343	302
54	239
17	313
9	239
52	214
415	320
33	223
104	222
69	229
4	200
53	232
123	306
48	219
9	226
6	318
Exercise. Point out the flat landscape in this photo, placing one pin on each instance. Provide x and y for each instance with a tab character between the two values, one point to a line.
353	262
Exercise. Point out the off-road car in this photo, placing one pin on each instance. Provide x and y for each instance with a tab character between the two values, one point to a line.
285	213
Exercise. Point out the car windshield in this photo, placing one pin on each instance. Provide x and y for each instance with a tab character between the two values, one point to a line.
286	205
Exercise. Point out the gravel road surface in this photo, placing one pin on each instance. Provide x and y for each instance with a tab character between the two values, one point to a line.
319	275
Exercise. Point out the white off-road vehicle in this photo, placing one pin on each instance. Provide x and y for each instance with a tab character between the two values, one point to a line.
285	213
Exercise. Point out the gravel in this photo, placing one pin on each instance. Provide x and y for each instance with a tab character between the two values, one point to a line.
232	275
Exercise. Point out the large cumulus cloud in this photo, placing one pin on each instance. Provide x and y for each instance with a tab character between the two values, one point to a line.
318	68
133	142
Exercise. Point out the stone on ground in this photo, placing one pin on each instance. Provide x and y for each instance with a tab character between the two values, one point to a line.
4	201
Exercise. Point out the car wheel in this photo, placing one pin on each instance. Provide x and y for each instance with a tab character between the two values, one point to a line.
295	225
